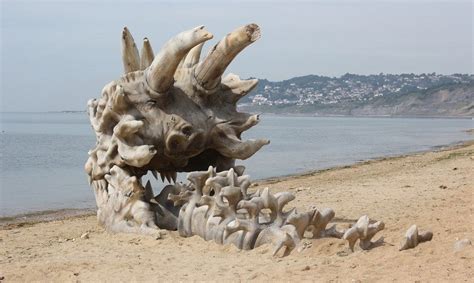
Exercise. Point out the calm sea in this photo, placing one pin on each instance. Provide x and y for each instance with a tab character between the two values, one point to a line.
42	154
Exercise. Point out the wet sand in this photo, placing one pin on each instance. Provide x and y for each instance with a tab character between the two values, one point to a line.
433	190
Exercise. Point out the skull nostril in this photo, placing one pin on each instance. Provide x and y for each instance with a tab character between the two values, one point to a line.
174	144
187	131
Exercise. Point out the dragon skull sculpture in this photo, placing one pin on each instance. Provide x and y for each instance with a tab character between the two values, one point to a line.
169	113
173	113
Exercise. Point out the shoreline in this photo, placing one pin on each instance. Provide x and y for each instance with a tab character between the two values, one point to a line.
286	114
437	148
42	216
316	115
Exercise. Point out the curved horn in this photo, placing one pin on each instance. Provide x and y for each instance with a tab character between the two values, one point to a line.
208	73
130	57
161	71
147	54
192	58
232	147
235	88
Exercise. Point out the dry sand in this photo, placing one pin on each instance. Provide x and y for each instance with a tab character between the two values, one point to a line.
433	190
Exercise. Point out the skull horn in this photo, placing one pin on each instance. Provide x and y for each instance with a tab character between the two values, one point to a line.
161	71
147	54
130	57
208	73
192	58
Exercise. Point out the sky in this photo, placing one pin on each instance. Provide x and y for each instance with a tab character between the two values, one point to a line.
55	55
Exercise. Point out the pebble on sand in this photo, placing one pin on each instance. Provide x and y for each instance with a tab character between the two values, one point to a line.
461	244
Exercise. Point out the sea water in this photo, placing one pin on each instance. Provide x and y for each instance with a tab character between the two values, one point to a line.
42	155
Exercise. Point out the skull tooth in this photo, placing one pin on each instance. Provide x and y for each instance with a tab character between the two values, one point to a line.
154	174
148	190
168	177
174	175
162	175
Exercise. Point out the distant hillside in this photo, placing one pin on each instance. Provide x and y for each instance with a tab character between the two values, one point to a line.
453	100
375	95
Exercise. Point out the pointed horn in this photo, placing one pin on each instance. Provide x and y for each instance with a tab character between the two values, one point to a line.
236	88
161	71
208	73
147	54
244	122
130	57
232	147
192	58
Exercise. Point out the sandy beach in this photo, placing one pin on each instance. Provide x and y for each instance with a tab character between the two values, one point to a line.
433	190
